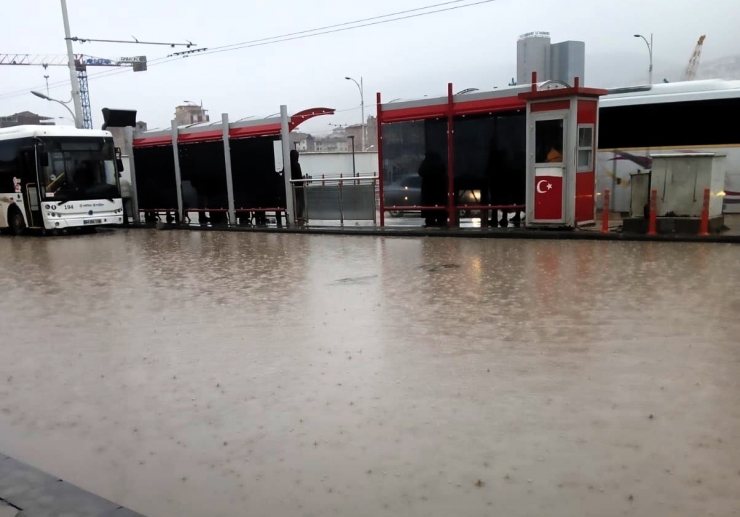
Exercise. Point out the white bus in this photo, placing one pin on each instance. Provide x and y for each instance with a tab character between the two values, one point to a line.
55	178
695	116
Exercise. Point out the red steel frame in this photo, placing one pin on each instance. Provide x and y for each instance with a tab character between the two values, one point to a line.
381	181
451	214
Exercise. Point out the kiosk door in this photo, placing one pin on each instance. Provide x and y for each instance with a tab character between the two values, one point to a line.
549	166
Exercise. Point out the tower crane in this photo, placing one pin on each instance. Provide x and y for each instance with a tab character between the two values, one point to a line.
695	60
82	61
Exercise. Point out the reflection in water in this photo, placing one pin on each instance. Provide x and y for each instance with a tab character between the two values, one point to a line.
187	373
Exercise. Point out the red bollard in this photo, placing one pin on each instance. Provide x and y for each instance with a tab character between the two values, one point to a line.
653	223
605	213
704	228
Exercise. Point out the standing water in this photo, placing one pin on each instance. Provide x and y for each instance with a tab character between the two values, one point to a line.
224	374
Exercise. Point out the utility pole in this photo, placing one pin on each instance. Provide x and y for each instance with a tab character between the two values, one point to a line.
72	70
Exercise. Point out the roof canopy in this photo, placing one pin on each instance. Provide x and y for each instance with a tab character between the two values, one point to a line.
505	99
210	132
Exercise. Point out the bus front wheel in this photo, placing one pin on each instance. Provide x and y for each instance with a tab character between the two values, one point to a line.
15	221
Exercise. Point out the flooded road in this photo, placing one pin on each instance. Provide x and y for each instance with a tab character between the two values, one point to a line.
224	374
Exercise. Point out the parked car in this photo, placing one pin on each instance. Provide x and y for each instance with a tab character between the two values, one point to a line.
407	192
402	193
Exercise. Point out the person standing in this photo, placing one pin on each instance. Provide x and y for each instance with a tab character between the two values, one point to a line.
433	172
296	174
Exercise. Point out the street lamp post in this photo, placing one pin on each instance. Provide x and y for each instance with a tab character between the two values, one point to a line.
650	50
354	168
72	71
47	98
361	87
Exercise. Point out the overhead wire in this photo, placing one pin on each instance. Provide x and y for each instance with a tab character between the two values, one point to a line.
309	33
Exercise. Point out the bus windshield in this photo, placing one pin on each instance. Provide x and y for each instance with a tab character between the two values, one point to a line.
79	170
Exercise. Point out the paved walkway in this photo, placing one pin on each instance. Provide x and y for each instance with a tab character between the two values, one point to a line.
731	235
26	491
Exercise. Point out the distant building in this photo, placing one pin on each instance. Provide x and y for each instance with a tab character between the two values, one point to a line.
568	61
25	118
332	144
371	134
302	142
191	114
559	62
533	55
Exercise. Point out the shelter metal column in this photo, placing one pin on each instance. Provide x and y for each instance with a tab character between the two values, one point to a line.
227	161
128	140
178	178
451	193
285	136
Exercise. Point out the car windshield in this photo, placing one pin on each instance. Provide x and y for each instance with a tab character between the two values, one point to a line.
76	170
411	182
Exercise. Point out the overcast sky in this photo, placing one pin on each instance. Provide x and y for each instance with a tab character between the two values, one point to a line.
472	47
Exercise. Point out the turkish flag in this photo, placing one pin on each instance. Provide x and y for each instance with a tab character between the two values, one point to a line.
548	198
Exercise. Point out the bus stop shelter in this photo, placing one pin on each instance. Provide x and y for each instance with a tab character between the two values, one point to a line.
477	138
224	169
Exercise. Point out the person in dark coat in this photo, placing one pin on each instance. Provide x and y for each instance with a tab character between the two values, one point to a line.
500	181
433	172
297	174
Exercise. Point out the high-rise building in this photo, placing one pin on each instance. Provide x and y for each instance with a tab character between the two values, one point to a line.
559	62
568	61
533	55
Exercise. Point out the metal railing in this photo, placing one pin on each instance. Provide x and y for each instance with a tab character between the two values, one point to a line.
351	198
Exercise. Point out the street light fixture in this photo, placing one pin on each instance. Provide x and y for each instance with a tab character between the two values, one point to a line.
361	87
650	50
47	98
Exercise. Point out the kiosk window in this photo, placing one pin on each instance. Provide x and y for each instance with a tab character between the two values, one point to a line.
585	148
549	141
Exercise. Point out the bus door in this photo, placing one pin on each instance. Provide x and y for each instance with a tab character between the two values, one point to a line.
31	194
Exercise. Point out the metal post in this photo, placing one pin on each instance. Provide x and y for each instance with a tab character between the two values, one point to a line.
375	207
362	108
128	141
704	226
354	168
72	71
178	178
229	177
379	123
652	223
285	136
605	212
341	201
651	58
451	214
